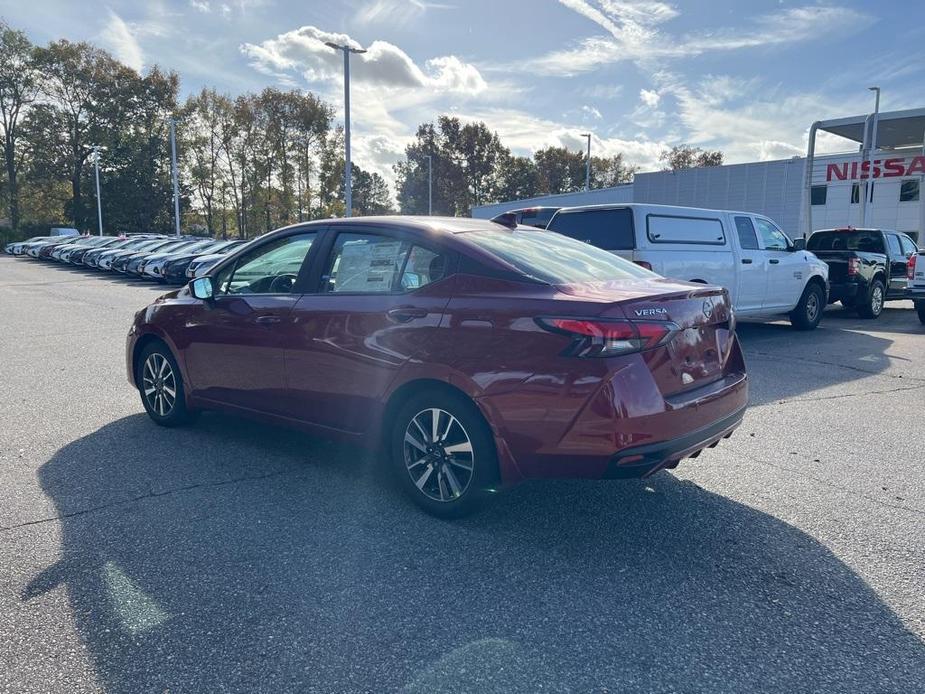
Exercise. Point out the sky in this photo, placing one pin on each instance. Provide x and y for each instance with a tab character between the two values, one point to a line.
747	77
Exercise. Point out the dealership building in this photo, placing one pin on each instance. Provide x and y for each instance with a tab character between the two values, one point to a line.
803	193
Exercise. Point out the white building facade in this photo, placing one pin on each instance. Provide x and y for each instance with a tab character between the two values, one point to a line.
833	197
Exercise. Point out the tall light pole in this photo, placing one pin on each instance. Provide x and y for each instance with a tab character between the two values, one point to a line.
868	187
430	184
173	168
96	165
347	50
588	163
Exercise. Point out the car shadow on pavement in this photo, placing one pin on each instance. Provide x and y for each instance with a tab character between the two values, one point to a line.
237	556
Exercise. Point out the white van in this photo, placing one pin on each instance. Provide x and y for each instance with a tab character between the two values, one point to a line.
765	272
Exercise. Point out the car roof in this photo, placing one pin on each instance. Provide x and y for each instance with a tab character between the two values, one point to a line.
450	225
647	205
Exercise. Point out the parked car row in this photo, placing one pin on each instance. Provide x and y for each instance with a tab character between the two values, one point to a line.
767	274
165	259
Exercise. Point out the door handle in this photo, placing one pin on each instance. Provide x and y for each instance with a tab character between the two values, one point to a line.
746	261
774	261
268	320
403	314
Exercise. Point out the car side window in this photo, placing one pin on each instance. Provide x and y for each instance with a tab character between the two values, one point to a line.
772	238
748	240
422	267
892	242
271	268
365	263
908	245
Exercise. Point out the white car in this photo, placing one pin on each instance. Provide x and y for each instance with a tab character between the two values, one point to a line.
916	277
765	272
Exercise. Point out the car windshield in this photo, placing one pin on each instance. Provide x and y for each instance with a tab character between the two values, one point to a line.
555	259
864	241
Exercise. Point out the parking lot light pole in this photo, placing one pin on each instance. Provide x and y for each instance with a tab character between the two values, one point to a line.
430	184
173	169
96	165
347	50
588	163
868	187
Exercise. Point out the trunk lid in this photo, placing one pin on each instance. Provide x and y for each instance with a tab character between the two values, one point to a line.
698	353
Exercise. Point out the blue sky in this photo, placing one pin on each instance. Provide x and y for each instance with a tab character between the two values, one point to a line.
744	76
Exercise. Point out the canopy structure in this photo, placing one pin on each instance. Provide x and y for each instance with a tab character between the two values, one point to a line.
882	131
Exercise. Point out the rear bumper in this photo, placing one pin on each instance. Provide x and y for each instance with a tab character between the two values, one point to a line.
642	461
843	290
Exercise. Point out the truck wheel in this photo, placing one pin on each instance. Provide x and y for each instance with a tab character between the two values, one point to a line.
920	309
808	312
873	306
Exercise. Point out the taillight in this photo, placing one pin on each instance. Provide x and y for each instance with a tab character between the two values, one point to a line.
643	264
854	266
910	267
606	338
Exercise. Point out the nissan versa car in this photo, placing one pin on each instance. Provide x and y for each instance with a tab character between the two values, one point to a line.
476	354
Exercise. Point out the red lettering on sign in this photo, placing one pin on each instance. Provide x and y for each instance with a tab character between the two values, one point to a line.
854	170
839	171
893	167
917	165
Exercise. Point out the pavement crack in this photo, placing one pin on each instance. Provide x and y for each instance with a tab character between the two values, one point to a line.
831	485
144	497
839	396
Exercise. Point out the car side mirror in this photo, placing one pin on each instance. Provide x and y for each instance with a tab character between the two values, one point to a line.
201	288
798	244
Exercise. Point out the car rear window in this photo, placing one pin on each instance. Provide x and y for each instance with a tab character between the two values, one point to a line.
554	258
538	217
865	241
610	229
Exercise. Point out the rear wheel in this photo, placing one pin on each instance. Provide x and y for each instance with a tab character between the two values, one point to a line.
920	309
161	387
443	454
871	306
808	312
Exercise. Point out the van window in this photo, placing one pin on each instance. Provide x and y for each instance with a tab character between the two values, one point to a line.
892	243
908	246
699	230
610	229
748	240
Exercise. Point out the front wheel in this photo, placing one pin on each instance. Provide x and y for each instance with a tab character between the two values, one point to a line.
808	311
872	306
161	387
443	454
920	309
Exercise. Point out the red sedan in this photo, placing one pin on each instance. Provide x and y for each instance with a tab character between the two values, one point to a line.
475	354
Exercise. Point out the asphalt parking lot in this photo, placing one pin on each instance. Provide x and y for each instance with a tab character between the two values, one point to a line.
233	556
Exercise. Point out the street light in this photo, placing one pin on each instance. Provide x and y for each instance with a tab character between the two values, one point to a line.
173	169
870	155
430	184
588	163
96	164
347	50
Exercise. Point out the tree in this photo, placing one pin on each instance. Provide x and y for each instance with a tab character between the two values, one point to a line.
607	172
559	170
687	157
520	179
19	85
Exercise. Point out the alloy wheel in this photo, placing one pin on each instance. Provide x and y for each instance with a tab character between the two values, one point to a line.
159	384
812	307
876	301
438	454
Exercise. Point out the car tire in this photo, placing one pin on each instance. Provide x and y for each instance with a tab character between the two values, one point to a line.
808	312
445	483
920	309
872	306
158	375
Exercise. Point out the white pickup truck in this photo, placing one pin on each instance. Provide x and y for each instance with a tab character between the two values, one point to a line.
916	277
765	272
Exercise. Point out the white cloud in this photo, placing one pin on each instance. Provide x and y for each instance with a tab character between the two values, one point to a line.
635	34
304	51
120	39
201	5
395	12
649	97
591	111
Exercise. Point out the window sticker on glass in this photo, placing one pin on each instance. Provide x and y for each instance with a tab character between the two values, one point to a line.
367	264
